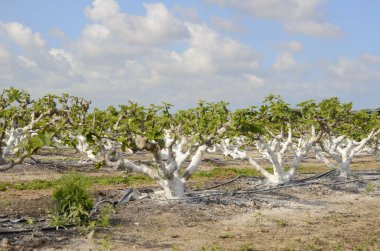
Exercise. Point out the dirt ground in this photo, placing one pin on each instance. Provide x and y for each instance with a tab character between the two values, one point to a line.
326	214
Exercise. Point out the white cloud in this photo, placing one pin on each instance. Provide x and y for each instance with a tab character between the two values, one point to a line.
314	29
371	58
350	70
158	26
276	9
4	52
294	46
228	25
22	36
188	14
285	61
299	16
116	36
119	56
30	63
255	81
103	10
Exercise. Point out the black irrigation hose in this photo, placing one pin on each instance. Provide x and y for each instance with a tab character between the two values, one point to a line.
236	192
221	184
351	181
374	173
314	177
318	176
28	230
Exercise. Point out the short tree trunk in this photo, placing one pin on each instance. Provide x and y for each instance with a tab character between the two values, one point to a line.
174	188
344	169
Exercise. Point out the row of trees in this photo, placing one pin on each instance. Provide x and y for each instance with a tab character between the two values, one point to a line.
177	141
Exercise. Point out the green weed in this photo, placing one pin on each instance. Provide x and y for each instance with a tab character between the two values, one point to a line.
246	247
104	216
72	202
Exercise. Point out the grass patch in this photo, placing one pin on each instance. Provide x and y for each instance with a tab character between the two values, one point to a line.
3	187
90	180
29	185
34	185
223	172
141	179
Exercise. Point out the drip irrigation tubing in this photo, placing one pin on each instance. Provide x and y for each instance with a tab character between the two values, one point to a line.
28	230
237	192
221	184
318	176
315	177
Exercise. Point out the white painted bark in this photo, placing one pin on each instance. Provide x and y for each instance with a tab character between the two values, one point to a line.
174	188
373	149
167	169
320	155
83	147
343	150
274	150
195	161
232	149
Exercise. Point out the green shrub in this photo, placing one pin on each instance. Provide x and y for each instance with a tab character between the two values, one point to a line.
72	202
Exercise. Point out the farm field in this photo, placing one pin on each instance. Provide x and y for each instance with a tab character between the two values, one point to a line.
325	214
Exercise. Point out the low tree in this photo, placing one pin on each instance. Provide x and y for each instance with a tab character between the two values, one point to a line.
26	125
347	134
276	130
171	139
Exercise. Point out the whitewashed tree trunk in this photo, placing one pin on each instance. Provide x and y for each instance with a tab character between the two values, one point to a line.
274	151
106	146
169	162
343	150
373	148
232	149
174	187
83	147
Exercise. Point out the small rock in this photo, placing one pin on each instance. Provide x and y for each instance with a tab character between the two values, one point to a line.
63	238
4	242
191	224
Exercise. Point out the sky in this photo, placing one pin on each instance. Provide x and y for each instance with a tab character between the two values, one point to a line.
112	51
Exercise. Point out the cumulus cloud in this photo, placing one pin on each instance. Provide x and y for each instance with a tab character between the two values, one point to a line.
158	26
157	56
4	52
314	29
119	56
22	36
229	25
293	46
255	81
277	9
285	61
188	14
298	16
352	71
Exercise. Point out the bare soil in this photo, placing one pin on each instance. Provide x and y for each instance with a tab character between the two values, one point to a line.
327	214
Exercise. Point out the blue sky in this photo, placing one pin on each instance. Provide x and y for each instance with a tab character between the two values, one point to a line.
112	51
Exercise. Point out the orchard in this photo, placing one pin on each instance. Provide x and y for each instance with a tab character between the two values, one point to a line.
173	151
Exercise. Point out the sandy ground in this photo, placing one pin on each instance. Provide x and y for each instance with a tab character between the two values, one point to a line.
329	214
